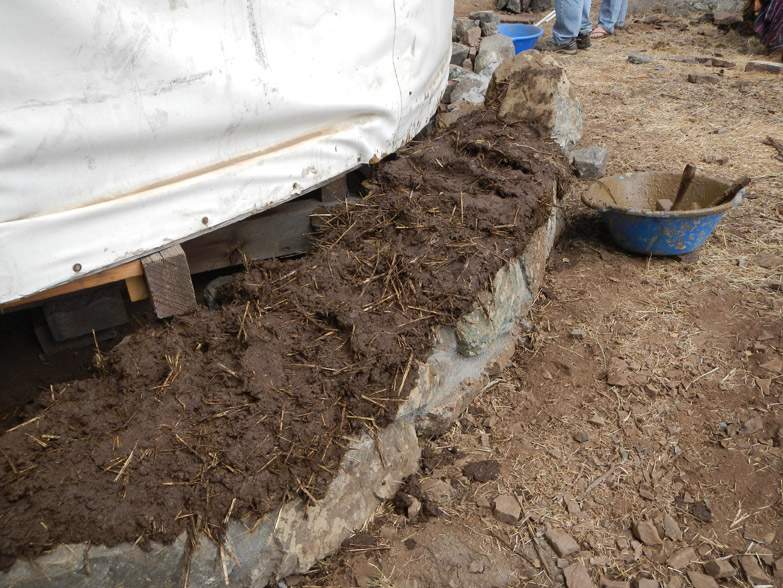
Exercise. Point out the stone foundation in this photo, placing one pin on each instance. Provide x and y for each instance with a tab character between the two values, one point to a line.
293	537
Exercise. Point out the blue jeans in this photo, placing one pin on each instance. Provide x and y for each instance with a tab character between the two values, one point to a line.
612	14
573	18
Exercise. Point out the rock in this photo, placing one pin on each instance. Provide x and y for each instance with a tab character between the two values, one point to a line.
514	6
726	18
596	420
639	58
576	576
533	87
495	313
438	490
469	88
468	65
720	568
489	28
563	544
476	567
681	559
617	377
488	70
294	580
414	508
562	563
590	162
463	25
763	554
716	62
700	580
507	509
496	48
483	502
694	78
751	426
459	53
581	437
471	37
457	110
211	291
646	491
701	511
572	506
457	72
753	571
671	529
646	532
769	261
646	583
774	365
485	16
605	582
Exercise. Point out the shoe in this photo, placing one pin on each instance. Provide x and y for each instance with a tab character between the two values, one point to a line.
567	48
599	33
583	41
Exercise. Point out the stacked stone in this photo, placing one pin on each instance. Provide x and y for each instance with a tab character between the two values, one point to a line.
477	49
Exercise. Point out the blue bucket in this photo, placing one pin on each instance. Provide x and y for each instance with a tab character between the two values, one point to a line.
524	36
627	207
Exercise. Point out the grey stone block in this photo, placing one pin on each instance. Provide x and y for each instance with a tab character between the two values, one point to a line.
470	88
590	162
533	87
492	49
485	16
462	25
514	6
459	53
457	71
496	313
489	28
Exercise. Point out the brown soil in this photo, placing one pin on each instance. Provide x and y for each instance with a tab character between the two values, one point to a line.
232	411
649	389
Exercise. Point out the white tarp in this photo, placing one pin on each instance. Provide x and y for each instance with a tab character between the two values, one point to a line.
127	126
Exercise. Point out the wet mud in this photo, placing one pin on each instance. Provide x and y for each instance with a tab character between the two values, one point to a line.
225	413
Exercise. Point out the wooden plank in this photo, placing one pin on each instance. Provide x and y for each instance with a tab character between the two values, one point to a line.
168	281
335	190
137	288
113	274
280	231
81	313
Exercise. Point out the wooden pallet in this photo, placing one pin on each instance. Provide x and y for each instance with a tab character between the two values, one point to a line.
164	276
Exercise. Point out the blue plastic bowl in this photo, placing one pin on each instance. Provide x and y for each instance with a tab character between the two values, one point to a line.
524	36
627	206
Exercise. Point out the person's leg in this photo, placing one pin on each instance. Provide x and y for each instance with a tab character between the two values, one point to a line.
568	20
606	15
621	16
586	25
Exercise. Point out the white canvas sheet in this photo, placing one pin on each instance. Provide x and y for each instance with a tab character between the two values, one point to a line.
128	126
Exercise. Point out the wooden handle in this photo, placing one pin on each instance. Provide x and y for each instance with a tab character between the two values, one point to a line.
731	191
685	181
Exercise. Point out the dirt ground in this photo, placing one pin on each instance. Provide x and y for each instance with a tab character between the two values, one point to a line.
650	389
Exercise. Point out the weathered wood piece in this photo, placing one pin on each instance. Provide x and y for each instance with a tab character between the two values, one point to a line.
168	281
85	312
336	190
280	231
